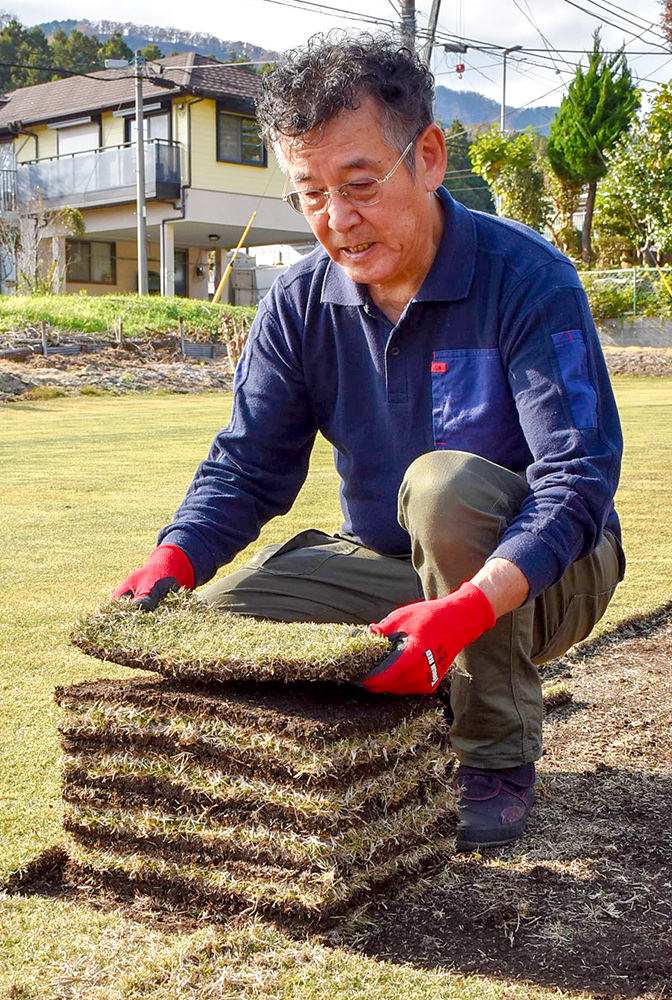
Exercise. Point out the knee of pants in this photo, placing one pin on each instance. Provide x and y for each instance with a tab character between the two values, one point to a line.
440	487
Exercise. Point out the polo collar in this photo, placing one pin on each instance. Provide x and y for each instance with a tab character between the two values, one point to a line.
450	276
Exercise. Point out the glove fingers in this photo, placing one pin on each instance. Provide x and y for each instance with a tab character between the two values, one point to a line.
122	593
151	600
385	677
398	639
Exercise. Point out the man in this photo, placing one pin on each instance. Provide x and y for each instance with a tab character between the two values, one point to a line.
452	361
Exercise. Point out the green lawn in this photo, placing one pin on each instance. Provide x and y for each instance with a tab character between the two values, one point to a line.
86	483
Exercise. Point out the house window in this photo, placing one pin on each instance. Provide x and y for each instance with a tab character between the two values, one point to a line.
91	262
154	127
78	138
238	140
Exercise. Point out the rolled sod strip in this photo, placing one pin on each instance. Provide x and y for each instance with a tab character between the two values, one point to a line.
93	722
193	837
294	894
188	640
145	779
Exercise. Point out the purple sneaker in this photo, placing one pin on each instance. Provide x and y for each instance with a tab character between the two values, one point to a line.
494	804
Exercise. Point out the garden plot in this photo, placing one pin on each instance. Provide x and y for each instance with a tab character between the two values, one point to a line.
297	800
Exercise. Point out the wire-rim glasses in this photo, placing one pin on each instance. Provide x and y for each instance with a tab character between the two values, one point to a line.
363	192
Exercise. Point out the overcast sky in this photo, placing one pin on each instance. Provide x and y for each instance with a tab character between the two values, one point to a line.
533	78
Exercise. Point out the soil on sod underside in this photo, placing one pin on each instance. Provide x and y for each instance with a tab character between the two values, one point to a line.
151	780
584	900
313	713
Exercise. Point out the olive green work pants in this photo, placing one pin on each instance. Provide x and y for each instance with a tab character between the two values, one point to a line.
455	507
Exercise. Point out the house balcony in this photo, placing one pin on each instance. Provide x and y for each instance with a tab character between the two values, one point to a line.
101	176
8	191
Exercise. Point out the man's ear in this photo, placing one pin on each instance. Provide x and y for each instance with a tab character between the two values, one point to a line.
431	157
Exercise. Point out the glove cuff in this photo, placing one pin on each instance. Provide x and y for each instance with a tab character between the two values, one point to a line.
172	561
478	613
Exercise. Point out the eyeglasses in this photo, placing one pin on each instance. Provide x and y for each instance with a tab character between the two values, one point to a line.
361	193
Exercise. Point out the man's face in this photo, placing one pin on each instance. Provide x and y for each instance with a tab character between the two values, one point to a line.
383	245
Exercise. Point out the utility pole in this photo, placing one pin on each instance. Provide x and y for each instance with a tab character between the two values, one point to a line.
502	114
141	205
408	24
431	29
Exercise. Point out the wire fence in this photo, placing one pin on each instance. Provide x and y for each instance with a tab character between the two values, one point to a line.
632	291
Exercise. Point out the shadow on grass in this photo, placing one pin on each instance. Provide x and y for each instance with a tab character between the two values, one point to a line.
583	902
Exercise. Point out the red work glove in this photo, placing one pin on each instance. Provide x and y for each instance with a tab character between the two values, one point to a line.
428	636
168	568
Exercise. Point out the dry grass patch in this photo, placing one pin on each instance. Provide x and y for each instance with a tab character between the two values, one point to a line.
188	640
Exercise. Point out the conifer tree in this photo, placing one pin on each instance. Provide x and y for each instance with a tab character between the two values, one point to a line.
115	48
21	51
77	52
598	108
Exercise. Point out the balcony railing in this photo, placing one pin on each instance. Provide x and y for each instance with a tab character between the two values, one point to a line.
7	190
101	176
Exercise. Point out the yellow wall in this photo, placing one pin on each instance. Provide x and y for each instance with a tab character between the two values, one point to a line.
25	146
209	174
112	130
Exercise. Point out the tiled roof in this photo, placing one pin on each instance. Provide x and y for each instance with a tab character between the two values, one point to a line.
187	72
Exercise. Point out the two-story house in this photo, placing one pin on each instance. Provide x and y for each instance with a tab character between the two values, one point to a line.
72	142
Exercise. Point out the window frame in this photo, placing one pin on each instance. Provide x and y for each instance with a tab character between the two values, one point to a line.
239	116
129	119
69	244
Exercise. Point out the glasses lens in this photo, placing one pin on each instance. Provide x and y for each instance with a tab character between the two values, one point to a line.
362	192
293	198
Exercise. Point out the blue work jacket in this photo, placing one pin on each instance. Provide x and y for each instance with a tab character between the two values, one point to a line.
496	354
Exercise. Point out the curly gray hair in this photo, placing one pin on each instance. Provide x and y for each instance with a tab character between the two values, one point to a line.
332	73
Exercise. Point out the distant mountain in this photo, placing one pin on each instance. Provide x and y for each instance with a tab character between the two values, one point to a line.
472	108
469	106
169	40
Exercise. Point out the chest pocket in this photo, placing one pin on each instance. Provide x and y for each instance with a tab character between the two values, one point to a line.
472	406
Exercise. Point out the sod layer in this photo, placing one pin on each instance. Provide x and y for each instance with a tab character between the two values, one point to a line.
193	837
144	779
90	724
188	640
293	894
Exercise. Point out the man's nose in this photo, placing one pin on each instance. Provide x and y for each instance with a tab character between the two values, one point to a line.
341	212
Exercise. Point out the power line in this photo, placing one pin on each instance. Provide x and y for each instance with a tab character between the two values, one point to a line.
602	19
643	23
344	14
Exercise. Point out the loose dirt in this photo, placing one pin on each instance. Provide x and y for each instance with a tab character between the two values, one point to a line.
156	364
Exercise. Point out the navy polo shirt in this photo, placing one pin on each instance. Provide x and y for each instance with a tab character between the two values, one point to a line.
496	354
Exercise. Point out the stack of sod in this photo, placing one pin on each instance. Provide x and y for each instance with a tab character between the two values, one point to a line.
294	799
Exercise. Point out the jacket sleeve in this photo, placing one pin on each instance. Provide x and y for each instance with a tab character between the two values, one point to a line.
559	381
257	465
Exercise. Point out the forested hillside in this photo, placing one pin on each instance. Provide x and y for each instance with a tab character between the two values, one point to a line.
49	50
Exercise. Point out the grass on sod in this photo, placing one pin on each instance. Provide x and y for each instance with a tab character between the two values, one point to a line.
86	483
188	641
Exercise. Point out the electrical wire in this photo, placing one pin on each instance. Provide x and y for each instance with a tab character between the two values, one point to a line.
604	20
344	14
614	9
